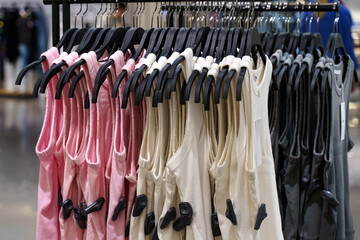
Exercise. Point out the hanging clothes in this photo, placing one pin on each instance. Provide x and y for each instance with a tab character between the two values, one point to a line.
158	154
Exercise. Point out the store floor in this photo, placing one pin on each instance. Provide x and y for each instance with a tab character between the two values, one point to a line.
20	125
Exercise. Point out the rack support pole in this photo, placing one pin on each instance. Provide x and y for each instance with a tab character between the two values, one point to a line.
55	23
66	15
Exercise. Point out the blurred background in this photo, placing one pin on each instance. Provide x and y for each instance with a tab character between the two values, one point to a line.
25	32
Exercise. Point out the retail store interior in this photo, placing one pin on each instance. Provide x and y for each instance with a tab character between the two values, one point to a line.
21	119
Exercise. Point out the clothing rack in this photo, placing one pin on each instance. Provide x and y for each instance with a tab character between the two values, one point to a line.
258	6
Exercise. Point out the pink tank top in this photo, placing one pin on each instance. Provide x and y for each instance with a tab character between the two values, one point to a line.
136	133
116	216
98	151
59	151
74	149
47	226
82	170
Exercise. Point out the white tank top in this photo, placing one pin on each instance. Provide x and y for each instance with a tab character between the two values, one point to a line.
260	163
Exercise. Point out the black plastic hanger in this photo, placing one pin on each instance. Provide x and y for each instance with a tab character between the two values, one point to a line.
155	36
112	40
230	39
239	38
168	44
144	43
300	75
236	41
305	41
133	36
197	43
253	43
97	42
264	37
282	41
242	46
195	73
294	42
140	91
231	49
179	42
64	41
270	43
83	38
85	46
182	41
193	42
315	78
221	77
28	68
209	50
70	72
169	90
76	38
206	48
333	45
75	82
131	83
148	44
292	74
134	77
315	45
48	75
99	39
241	53
285	68
219	55
172	42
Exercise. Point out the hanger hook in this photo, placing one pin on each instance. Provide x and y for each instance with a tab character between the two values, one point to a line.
137	15
97	14
102	15
278	19
141	13
82	16
78	13
123	15
153	13
336	21
318	17
134	14
298	21
252	12
116	10
108	16
311	18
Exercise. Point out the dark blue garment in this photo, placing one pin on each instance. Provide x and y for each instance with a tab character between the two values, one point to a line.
41	30
42	34
326	24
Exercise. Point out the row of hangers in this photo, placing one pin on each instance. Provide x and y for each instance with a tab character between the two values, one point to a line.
308	43
204	41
